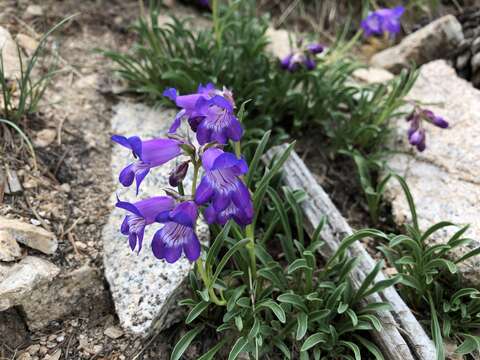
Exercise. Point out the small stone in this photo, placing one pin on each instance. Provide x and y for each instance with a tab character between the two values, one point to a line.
55	356
437	40
80	245
113	332
33	349
60	338
13	183
32	236
24	356
51	345
65	187
52	337
43	350
97	349
33	11
9	248
20	280
8	49
45	137
475	45
462	60
475	62
27	43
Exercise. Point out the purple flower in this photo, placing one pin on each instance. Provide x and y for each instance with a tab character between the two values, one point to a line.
178	233
315	48
143	213
309	63
435	119
383	20
286	61
149	154
222	186
209	112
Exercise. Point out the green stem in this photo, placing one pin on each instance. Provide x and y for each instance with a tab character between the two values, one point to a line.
181	190
196	167
216	23
238	149
206	282
251	250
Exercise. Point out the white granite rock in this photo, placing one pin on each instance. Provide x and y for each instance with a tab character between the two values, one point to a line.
444	178
437	40
30	235
144	289
8	49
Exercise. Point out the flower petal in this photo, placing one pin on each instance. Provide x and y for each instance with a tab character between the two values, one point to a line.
192	247
204	192
127	175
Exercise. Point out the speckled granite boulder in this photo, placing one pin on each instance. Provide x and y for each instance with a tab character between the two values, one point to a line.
437	40
444	179
144	289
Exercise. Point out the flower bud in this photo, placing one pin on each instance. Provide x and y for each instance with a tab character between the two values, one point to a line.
178	174
315	48
435	119
417	137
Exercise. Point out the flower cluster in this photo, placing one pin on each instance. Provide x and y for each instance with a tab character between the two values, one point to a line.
383	21
221	192
302	57
416	132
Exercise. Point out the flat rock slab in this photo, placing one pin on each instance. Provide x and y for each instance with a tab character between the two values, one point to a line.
8	49
444	178
144	289
30	235
437	40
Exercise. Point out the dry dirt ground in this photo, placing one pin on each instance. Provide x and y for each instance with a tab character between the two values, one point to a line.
68	193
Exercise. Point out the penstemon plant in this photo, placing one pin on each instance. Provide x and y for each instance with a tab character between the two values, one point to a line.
259	288
430	283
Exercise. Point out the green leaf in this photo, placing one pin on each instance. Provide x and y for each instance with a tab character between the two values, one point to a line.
276	309
469	345
299	264
293	299
236	294
237	348
184	342
239	323
226	257
434	228
371	347
283	348
410	201
436	330
354	347
313	340
257	156
302	325
196	311
210	354
216	246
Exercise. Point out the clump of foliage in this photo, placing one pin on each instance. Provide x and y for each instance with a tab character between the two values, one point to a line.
430	283
20	96
290	305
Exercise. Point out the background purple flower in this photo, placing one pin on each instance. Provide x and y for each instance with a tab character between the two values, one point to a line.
143	213
149	154
315	48
178	234
383	20
222	186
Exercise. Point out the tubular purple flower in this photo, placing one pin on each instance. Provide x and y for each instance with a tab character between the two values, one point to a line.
383	20
286	61
178	233
209	113
417	137
222	186
149	154
178	174
219	123
435	119
309	63
315	48
143	213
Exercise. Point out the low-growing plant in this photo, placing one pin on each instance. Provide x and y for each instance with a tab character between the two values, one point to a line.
430	284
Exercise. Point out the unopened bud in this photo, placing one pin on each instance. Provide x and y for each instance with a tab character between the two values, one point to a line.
178	174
